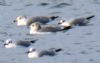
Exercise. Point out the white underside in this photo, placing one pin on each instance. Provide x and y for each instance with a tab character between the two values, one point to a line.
36	32
22	22
66	24
10	46
33	55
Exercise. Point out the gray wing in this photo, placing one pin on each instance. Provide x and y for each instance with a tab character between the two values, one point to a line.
51	28
24	43
47	53
41	19
50	52
82	20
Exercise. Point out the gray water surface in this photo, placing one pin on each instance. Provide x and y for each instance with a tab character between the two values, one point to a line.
80	44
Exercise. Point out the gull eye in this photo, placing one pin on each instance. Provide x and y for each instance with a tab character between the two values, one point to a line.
10	41
62	21
33	25
20	17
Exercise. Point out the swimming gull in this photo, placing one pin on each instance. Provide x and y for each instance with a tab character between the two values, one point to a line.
37	28
9	43
81	21
33	53
23	20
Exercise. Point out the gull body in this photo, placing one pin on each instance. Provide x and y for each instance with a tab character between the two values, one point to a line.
38	28
9	43
33	53
23	20
81	21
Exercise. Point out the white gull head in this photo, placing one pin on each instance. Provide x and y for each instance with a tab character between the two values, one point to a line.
9	44
64	23
32	53
21	20
35	27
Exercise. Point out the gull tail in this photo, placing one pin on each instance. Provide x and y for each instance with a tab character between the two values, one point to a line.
89	17
33	41
58	50
54	17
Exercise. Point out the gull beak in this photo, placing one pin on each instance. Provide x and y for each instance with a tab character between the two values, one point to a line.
59	23
27	52
14	21
5	44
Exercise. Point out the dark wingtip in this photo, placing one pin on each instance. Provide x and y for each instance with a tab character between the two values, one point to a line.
67	28
58	50
33	41
54	17
4	44
90	17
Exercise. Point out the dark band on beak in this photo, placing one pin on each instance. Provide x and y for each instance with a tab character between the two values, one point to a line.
59	23
5	44
14	21
27	52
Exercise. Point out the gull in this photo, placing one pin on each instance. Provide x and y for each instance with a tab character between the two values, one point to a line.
37	28
33	53
23	20
81	21
9	43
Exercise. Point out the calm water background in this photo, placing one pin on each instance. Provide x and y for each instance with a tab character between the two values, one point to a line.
80	44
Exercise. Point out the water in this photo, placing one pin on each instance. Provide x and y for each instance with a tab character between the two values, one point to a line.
80	44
